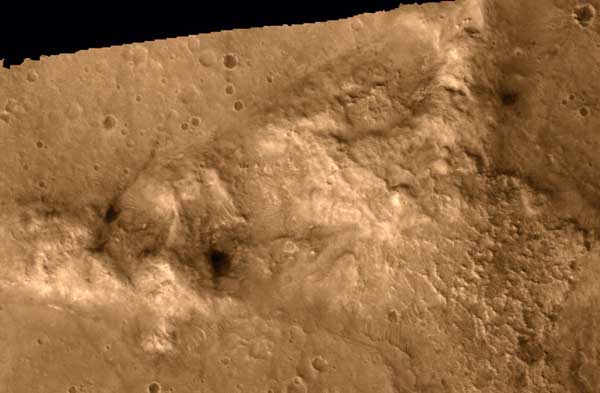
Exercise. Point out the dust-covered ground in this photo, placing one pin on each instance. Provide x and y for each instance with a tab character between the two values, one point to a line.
397	202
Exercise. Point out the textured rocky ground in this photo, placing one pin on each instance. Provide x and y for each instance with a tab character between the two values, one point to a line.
397	202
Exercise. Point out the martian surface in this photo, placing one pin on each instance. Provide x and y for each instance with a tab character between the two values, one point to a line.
403	201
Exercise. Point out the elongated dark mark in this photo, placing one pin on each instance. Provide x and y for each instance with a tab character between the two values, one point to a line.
220	262
111	214
509	98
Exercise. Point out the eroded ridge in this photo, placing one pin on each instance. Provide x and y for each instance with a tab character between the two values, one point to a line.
398	209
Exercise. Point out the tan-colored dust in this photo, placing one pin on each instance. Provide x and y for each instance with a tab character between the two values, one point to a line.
404	201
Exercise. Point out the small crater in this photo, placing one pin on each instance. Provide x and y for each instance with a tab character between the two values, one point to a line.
220	262
238	106
584	111
111	214
40	144
584	14
42	184
269	79
154	387
356	25
74	110
72	389
185	126
229	90
297	385
13	106
207	57
393	316
109	122
138	98
32	76
230	61
320	364
195	121
290	247
189	94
